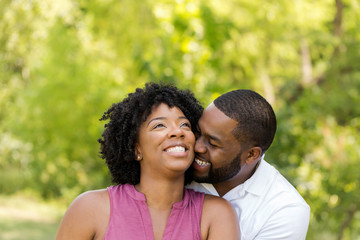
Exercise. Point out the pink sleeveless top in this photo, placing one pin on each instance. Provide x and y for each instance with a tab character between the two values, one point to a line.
130	217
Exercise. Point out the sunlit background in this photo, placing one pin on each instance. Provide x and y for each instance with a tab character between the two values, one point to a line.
63	63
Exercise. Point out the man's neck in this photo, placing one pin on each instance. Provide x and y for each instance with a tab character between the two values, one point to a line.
244	174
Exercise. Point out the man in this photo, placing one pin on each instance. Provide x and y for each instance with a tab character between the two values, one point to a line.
234	133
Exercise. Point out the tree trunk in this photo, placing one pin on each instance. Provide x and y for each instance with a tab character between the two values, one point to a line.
338	24
338	18
347	222
306	67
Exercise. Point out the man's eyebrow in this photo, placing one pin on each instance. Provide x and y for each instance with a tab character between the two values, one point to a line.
212	137
216	139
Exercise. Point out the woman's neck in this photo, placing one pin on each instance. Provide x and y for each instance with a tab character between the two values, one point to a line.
161	194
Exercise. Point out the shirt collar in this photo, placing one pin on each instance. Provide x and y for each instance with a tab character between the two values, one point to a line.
210	188
253	185
256	184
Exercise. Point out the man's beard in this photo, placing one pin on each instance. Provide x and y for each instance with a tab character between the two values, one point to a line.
223	173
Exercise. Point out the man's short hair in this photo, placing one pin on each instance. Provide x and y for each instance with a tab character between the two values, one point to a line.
255	116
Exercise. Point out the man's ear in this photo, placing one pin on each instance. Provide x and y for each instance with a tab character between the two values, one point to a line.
253	155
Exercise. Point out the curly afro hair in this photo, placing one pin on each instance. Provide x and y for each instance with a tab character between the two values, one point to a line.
118	140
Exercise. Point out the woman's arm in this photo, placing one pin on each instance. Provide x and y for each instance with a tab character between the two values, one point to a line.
219	220
87	217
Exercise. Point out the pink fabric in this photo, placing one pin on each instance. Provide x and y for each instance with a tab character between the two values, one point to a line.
130	217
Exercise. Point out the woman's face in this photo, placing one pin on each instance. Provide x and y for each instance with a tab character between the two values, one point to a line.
166	142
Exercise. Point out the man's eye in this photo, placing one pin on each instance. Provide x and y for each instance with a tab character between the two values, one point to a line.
211	144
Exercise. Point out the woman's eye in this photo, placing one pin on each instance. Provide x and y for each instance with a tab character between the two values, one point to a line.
158	125
186	125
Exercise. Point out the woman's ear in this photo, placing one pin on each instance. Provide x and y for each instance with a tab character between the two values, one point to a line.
138	156
254	155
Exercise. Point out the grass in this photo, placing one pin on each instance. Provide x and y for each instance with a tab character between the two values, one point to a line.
28	218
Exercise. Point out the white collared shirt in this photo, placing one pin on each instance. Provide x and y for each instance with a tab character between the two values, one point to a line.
267	205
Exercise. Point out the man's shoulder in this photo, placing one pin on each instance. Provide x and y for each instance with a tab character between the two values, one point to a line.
282	188
271	200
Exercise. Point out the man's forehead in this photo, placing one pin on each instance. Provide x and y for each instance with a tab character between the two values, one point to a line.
212	111
216	121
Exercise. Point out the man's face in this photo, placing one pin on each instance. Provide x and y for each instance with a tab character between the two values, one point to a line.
218	154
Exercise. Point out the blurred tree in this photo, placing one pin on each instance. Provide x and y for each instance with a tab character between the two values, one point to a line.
63	63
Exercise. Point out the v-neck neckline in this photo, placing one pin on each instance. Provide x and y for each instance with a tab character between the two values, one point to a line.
146	216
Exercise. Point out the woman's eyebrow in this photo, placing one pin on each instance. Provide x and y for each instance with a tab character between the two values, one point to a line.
154	119
162	118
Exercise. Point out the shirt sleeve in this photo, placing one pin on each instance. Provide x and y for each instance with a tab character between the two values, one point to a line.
288	223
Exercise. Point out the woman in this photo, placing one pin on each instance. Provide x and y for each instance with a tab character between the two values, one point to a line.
148	146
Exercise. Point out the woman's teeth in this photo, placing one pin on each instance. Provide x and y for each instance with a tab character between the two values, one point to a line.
176	149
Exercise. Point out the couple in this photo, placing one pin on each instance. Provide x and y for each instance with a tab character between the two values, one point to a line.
149	146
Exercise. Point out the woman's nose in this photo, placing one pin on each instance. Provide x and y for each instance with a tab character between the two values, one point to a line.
177	132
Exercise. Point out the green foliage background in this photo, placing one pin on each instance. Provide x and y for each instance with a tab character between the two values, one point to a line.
63	63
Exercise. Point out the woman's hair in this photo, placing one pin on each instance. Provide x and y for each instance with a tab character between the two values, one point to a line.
121	133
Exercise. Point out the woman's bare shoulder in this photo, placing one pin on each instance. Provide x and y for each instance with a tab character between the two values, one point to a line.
216	202
87	216
220	218
90	201
98	196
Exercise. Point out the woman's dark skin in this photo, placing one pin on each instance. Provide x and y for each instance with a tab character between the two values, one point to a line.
165	150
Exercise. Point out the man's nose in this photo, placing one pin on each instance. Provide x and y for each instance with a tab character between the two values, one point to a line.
199	145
